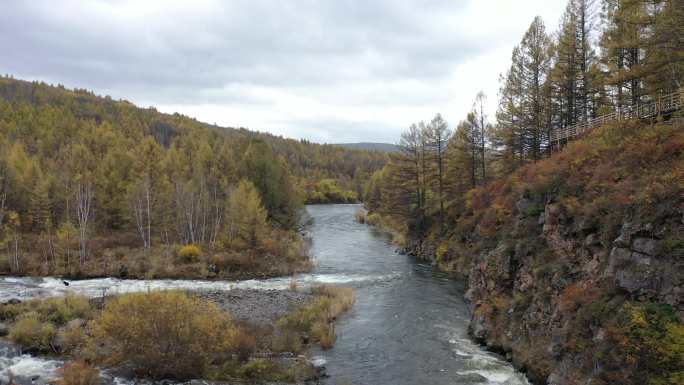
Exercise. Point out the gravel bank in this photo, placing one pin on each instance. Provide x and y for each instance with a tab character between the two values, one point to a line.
258	306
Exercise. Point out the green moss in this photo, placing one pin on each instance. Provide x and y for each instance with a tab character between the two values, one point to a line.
673	246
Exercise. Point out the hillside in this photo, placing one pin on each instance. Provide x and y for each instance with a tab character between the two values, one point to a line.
308	161
90	186
385	147
575	263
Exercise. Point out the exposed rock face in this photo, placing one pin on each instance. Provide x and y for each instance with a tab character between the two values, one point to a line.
530	294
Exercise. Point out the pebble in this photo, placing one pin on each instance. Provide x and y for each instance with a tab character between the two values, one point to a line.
258	306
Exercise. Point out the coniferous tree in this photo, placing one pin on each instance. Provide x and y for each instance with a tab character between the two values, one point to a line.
438	135
247	217
523	92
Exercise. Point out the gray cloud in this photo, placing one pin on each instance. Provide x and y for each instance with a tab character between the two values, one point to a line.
248	53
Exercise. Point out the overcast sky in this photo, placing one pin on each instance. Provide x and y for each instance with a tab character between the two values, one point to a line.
328	71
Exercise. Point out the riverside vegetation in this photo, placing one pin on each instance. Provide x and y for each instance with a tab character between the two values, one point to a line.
573	258
91	187
94	187
173	335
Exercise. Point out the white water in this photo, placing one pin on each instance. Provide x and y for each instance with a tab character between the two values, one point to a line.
409	326
27	369
24	288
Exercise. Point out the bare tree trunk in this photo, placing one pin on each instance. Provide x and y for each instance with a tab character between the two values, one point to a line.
3	199
15	257
218	217
84	200
138	215
148	201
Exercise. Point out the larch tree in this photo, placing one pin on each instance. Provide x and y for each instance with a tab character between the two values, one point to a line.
247	219
438	135
535	59
410	165
145	188
483	130
462	160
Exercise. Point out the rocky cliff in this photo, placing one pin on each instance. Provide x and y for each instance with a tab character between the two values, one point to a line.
575	265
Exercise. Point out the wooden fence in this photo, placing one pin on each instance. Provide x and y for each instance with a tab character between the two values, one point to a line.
661	106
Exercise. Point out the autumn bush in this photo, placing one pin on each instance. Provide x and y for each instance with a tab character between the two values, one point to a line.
189	253
60	310
78	373
72	339
32	333
162	334
576	295
328	191
35	324
316	318
648	341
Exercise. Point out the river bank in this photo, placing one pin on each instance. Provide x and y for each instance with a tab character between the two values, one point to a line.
270	343
560	303
403	310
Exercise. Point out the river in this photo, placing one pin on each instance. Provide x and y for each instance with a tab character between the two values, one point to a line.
408	326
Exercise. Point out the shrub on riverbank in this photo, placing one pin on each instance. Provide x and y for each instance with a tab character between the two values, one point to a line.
78	373
32	333
162	334
328	191
176	335
282	253
37	324
316	319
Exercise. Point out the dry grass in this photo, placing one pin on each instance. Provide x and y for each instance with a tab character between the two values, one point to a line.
113	256
317	318
293	283
78	373
361	215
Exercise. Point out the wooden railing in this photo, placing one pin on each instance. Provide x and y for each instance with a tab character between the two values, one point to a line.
663	105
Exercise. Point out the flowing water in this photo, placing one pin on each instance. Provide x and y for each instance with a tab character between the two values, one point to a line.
408	326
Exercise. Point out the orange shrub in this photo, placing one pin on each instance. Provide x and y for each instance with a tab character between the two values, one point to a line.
576	295
78	373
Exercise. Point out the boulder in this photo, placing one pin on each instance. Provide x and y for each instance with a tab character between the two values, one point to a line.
524	206
645	246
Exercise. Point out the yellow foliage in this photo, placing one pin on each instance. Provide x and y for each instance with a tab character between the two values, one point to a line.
33	334
61	310
189	253
247	218
442	251
162	334
316	318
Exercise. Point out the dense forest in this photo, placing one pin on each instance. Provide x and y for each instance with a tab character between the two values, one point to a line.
552	241
93	186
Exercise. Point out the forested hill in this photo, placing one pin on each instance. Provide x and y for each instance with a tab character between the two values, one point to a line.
308	162
93	186
386	147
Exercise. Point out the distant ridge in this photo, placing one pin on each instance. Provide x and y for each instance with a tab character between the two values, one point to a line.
385	147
